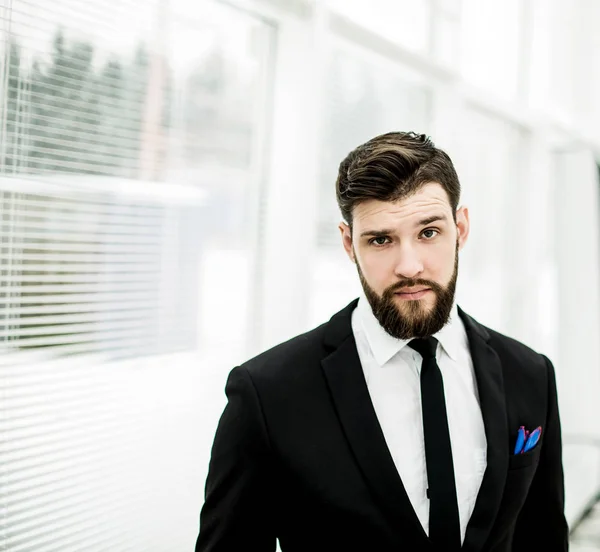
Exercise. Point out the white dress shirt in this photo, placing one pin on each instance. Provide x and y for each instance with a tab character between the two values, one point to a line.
392	372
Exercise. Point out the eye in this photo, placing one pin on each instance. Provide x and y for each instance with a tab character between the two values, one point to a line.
430	233
378	241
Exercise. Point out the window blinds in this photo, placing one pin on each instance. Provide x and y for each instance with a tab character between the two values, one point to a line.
83	273
131	142
84	264
99	255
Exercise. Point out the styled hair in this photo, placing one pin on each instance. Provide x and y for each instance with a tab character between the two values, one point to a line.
393	166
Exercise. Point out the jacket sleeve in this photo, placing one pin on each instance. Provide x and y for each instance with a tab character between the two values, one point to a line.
541	524
237	512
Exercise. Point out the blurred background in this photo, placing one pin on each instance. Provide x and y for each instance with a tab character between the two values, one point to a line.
167	211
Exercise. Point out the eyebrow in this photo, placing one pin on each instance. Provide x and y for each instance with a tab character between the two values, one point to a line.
387	232
431	219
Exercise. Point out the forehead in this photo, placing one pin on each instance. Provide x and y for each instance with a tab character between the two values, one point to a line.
431	199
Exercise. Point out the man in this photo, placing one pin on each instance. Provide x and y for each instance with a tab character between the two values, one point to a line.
398	425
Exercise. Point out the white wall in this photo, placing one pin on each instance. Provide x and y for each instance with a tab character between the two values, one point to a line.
577	249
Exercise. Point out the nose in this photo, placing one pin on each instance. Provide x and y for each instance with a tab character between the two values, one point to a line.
408	263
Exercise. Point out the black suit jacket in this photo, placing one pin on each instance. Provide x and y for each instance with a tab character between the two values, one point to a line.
299	454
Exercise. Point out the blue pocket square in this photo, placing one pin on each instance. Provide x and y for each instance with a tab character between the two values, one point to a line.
526	440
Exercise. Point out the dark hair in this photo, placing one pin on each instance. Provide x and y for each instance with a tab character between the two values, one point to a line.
393	166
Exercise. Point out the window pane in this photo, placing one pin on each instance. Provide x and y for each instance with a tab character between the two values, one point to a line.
405	22
446	41
488	165
565	48
490	45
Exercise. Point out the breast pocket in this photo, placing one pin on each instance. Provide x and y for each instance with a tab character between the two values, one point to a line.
521	471
520	461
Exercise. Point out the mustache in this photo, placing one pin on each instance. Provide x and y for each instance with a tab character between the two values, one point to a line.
412	282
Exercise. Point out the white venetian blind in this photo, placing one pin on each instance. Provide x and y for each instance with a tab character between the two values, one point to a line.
129	145
89	272
83	265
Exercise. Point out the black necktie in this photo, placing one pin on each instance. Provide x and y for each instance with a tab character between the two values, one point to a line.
444	524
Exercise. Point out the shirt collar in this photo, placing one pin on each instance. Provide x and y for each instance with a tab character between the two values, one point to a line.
384	346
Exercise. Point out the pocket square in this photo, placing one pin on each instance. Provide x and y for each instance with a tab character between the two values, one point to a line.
526	440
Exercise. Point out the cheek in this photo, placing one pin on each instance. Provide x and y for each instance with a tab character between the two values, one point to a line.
441	265
377	269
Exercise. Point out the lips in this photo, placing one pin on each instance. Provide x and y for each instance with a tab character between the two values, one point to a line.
412	293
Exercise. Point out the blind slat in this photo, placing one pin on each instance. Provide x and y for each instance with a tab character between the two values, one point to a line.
51	275
68	279
99	247
59	238
102	268
82	204
77	288
85	261
97	309
86	226
82	318
106	297
87	335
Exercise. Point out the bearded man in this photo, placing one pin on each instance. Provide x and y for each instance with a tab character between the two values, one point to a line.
402	424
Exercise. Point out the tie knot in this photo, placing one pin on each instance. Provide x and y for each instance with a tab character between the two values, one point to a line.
426	347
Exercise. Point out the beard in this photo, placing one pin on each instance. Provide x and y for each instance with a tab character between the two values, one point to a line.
411	319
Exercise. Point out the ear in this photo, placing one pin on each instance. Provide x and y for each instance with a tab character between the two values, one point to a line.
347	240
462	225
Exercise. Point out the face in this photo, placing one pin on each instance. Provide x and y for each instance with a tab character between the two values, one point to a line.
406	254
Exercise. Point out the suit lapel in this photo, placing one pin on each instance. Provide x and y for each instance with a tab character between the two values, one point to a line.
488	372
352	401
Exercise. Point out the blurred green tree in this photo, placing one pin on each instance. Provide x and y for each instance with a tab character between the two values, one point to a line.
70	114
